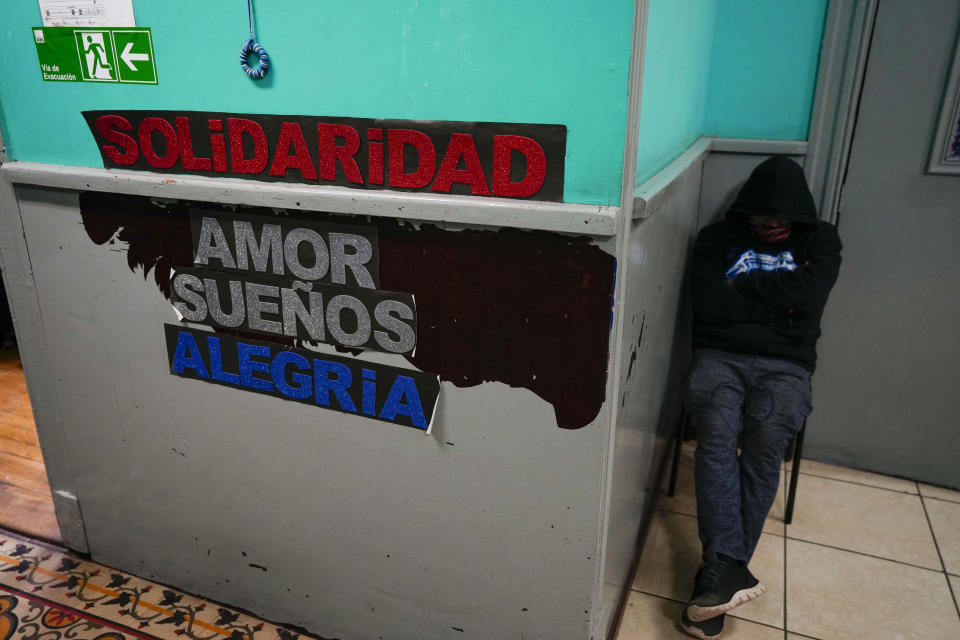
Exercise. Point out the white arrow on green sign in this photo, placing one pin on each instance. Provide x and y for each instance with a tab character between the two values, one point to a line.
128	56
70	54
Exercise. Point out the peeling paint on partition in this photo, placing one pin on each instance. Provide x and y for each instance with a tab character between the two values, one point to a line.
530	309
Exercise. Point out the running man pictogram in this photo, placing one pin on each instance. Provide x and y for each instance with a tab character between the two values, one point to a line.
95	58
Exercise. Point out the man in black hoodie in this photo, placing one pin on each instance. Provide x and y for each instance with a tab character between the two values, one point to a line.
760	280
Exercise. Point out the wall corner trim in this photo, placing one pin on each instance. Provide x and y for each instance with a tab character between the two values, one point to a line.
70	519
649	195
758	146
563	217
607	620
843	59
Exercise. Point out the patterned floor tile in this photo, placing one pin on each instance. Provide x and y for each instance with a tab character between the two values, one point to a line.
47	592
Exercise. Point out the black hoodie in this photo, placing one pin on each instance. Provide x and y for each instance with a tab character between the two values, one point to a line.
765	298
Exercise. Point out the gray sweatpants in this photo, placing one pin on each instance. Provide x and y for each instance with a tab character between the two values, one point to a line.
764	400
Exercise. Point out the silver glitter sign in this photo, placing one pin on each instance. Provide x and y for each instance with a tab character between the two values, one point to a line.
292	277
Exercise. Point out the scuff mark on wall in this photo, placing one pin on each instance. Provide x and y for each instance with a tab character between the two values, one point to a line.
634	350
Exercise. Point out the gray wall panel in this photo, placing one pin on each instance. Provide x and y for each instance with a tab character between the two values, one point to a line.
656	263
365	529
38	369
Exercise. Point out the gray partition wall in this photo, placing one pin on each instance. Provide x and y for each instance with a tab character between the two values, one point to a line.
658	241
514	516
506	519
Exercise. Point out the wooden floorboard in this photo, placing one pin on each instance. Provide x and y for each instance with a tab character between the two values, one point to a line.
24	473
28	513
15	402
22	449
17	432
25	423
25	502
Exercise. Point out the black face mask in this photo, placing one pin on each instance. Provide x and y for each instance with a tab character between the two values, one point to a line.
769	230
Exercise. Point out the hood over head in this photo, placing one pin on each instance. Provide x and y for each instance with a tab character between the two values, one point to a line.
776	188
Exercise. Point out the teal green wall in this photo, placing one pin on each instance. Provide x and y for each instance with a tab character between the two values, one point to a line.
676	78
726	68
763	70
563	62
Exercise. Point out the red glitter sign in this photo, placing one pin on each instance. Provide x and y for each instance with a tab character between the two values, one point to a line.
468	158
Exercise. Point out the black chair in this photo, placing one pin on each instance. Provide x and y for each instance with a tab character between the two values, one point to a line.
793	453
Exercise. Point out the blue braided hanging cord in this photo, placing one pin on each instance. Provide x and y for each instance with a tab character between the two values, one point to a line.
252	48
263	60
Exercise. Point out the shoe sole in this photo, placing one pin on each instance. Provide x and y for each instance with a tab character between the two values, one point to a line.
697	633
699	614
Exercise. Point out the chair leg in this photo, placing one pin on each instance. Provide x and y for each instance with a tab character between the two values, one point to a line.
789	453
678	445
794	474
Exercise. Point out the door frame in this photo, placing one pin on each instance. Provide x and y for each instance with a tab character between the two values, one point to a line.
847	34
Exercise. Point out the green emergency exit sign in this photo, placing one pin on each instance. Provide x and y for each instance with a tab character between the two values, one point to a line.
71	54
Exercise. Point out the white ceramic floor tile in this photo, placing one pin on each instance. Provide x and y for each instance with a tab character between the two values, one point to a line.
822	469
838	594
929	491
649	617
685	500
955	583
864	519
767	566
945	520
672	554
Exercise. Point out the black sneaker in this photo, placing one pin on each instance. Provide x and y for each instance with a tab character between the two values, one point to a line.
722	584
705	630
